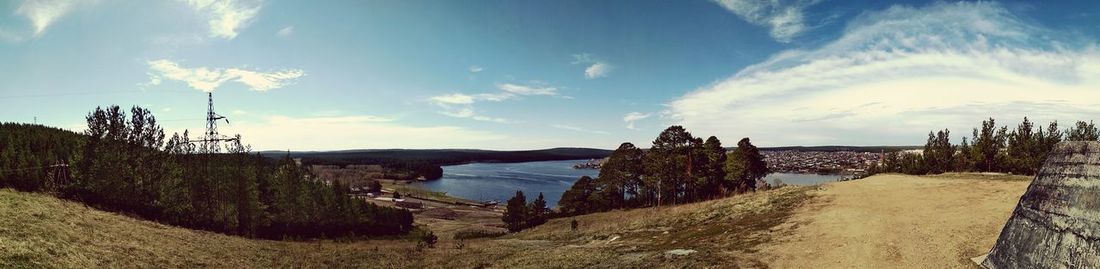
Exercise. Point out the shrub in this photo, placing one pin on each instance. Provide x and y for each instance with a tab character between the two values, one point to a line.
476	233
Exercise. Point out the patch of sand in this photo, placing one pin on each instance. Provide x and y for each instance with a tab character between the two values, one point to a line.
895	221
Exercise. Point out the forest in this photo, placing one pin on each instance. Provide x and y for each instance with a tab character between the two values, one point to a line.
989	148
124	163
677	168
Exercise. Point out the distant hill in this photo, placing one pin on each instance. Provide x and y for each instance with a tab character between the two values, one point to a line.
440	156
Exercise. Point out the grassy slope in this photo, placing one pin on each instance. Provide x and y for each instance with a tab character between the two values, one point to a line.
41	231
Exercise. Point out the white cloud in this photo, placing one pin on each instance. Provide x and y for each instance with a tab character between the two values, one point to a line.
43	13
784	19
578	129
226	17
632	117
209	79
352	132
476	69
535	89
596	68
285	32
895	74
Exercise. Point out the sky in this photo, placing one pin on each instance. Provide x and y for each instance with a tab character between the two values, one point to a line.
329	75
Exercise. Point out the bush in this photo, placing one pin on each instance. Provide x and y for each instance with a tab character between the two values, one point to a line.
476	233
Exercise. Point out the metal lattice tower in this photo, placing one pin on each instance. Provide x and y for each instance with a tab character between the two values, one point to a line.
211	138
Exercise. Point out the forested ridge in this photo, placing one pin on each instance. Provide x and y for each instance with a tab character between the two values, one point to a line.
124	163
989	148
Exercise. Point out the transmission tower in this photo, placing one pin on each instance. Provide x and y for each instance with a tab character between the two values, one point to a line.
211	138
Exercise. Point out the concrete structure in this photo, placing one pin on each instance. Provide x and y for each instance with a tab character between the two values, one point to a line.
1057	221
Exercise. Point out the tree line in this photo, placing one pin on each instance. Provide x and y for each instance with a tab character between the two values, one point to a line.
125	164
677	168
989	149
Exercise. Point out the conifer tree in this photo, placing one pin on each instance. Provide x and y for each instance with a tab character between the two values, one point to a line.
515	214
537	212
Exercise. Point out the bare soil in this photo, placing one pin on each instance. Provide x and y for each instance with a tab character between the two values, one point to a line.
897	221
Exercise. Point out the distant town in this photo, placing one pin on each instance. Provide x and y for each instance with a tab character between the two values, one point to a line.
800	161
821	162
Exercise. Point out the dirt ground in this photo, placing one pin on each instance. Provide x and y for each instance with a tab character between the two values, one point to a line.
896	221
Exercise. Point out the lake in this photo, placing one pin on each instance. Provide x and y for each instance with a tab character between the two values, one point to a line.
500	181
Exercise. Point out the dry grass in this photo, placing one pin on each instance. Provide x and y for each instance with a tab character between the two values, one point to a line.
39	231
882	221
724	232
984	176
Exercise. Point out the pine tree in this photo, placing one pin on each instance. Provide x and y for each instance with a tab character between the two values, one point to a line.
581	198
621	176
714	169
1022	145
669	164
745	167
988	144
1083	132
537	212
515	214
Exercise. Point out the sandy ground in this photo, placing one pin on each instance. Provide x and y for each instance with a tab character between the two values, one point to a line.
896	221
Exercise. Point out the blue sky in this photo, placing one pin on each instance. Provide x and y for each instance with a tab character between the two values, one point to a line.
322	75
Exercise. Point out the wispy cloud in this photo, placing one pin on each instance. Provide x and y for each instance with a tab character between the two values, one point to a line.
632	117
895	71
354	131
285	32
43	13
785	19
476	69
530	89
226	17
596	68
578	129
208	79
460	105
468	113
453	99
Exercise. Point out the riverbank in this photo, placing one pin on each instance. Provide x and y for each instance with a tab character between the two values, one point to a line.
444	215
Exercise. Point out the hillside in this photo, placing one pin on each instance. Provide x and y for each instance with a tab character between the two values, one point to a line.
881	221
40	231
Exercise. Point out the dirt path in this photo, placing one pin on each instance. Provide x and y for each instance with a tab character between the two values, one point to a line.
896	221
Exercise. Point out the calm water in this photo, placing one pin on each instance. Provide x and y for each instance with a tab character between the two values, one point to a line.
500	181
